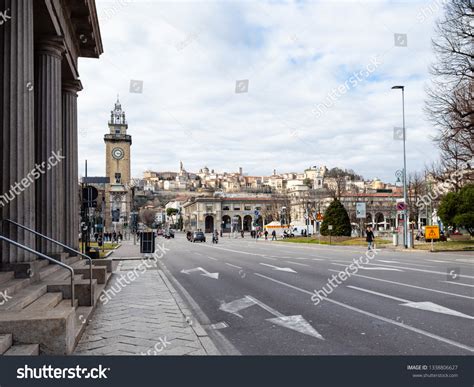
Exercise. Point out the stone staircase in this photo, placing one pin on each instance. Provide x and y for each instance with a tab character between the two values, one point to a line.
38	317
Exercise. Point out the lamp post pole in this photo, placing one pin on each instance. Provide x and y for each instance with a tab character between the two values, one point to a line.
405	191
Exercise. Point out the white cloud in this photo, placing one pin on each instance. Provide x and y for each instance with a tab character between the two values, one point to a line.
189	55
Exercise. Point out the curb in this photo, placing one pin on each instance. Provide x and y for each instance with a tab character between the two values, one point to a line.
201	334
188	306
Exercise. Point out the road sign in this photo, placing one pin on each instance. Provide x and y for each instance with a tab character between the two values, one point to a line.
256	213
432	232
401	206
319	216
330	227
361	210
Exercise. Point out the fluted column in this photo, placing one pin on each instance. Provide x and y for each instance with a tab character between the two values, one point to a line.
70	163
17	195
50	219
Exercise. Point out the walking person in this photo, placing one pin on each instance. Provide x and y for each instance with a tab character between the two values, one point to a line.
274	235
266	234
370	238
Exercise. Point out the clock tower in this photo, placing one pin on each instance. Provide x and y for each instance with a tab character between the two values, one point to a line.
117	168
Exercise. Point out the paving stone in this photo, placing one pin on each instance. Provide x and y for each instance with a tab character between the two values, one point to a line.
138	315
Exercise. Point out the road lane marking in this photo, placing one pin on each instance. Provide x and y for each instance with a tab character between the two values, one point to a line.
459	283
214	259
229	264
297	263
424	271
435	260
370	268
423	305
384	319
408	285
378	294
287	269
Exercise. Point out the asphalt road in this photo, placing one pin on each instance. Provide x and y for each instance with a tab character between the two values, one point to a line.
260	298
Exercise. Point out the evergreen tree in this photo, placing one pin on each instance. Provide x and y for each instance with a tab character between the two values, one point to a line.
336	215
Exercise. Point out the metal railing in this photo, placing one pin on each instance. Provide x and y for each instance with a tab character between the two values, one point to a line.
41	255
70	249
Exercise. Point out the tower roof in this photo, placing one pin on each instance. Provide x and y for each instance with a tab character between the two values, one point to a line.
117	115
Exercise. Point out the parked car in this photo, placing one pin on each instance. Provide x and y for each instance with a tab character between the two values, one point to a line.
198	236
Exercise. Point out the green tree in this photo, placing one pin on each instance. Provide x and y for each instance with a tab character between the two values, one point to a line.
457	209
336	215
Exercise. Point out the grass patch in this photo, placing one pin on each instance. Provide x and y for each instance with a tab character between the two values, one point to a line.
449	245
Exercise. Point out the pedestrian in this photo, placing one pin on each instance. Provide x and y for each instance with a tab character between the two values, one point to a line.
274	235
242	233
120	237
369	238
266	234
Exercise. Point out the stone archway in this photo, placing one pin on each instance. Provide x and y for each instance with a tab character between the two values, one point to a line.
380	221
226	223
237	223
209	224
247	223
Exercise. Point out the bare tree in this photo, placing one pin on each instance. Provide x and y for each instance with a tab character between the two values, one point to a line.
449	104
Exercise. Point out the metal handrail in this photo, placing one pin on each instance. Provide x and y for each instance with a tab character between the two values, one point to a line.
41	255
59	244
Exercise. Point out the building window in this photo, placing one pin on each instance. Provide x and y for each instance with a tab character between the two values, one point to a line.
258	208
236	208
117	131
225	208
248	208
118	178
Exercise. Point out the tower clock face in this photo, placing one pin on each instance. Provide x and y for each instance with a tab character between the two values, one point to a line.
117	153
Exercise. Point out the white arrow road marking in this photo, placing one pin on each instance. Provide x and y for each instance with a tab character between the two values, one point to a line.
371	268
287	269
408	285
424	305
236	306
296	322
205	272
375	316
297	263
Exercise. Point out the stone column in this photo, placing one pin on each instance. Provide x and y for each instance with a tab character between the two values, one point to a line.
17	192
70	163
50	188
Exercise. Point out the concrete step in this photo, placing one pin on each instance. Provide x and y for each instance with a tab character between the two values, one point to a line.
6	276
66	304
46	301
98	272
81	288
6	341
23	350
14	285
53	329
24	297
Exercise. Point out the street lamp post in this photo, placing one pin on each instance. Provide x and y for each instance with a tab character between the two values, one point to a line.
405	193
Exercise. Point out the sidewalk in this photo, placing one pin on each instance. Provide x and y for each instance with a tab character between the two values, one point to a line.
142	314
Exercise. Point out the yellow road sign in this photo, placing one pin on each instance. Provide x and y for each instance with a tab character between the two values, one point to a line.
432	232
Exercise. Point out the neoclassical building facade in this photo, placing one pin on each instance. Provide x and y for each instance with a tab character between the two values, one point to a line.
40	43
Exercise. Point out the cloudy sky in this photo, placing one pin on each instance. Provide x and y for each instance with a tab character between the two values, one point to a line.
319	84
